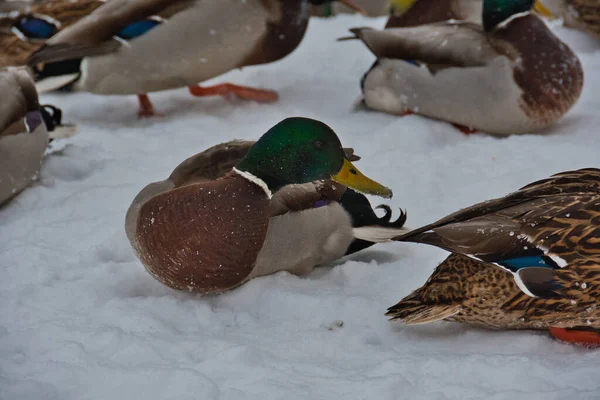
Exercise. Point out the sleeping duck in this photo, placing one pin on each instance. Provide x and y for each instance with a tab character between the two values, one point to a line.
529	260
141	46
242	209
511	75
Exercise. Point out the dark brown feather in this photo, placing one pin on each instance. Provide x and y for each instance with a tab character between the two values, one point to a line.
203	237
283	34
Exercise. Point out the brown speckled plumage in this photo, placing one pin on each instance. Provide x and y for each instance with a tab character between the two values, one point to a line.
560	215
15	50
550	74
221	229
584	14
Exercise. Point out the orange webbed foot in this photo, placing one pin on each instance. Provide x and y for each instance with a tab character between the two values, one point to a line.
243	92
587	337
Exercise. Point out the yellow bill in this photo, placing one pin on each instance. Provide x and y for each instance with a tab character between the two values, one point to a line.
350	4
351	177
401	6
542	10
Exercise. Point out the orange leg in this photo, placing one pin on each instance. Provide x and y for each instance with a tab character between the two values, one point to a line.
583	337
244	92
407	112
146	108
467	130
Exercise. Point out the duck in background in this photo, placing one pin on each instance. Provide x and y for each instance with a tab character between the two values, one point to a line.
529	260
579	14
25	29
407	13
141	46
24	127
509	76
372	8
243	209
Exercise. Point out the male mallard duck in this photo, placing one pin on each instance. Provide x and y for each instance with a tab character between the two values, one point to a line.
228	214
24	126
142	46
407	13
529	260
25	31
512	76
578	14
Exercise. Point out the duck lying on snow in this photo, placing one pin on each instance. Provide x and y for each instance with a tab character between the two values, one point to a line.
24	126
529	260
242	210
510	76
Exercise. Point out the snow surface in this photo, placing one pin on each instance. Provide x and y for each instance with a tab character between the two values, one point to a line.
81	319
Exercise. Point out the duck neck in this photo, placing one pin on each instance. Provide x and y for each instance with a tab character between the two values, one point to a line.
267	183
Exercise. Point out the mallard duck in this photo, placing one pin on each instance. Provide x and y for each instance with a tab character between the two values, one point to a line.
510	76
242	210
141	46
578	14
529	260
24	126
407	13
26	29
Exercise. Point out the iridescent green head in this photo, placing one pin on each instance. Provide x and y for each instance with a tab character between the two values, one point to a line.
301	150
497	11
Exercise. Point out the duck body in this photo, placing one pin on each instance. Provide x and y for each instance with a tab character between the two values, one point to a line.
529	260
142	46
422	12
517	78
21	146
196	41
24	131
210	227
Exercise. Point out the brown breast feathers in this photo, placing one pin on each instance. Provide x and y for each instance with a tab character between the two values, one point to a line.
550	75
203	237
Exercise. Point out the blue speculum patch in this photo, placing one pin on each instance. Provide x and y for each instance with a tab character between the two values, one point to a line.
137	29
36	28
524	262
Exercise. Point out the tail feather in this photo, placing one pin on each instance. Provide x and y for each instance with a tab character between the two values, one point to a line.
378	233
414	311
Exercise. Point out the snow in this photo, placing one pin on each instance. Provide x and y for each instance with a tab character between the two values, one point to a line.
81	319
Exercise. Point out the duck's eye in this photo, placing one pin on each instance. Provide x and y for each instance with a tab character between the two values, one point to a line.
318	144
36	28
138	28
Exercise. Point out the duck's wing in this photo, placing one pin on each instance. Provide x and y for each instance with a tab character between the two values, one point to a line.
545	226
95	33
19	96
458	44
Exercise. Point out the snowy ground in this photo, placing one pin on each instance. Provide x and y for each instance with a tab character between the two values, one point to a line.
81	319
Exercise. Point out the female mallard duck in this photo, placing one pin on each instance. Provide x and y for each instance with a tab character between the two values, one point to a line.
407	13
215	222
142	46
578	14
512	76
26	29
24	126
545	240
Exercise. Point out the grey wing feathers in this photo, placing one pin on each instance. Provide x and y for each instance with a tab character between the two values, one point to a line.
456	44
